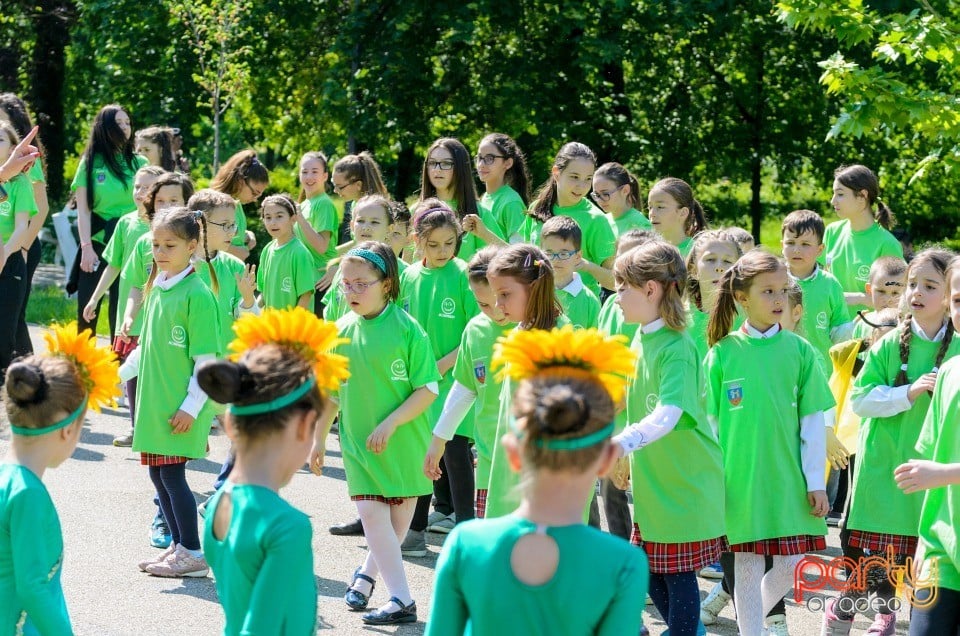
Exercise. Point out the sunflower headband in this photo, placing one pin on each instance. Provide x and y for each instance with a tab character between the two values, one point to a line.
309	337
96	366
524	354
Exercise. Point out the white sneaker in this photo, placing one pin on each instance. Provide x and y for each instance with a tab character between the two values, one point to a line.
711	606
180	564
160	558
777	625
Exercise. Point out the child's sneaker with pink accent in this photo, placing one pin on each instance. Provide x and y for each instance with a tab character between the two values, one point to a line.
832	625
163	556
883	625
180	564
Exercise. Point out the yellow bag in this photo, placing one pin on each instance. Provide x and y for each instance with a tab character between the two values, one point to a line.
844	356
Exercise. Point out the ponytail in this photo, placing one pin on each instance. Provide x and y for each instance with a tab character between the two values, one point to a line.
884	216
860	178
214	283
542	208
620	176
531	267
721	318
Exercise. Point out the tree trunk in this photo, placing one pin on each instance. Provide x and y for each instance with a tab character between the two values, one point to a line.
52	24
408	173
756	159
216	137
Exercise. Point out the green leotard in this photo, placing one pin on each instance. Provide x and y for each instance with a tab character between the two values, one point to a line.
31	553
476	592
264	564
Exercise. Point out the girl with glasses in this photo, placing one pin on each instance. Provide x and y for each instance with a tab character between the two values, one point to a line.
502	168
355	176
244	178
617	193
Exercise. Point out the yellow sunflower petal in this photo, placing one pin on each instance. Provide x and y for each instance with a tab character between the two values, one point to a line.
98	366
312	338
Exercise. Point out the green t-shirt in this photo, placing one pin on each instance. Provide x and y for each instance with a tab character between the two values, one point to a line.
762	465
129	229
20	200
135	273
472	370
580	304
264	565
390	359
112	197
442	302
31	553
678	479
632	219
178	324
598	240
685	246
697	323
507	209
227	267
824	308
611	322
35	173
940	442
322	216
334	303
286	272
848	254
470	243
883	443
240	238
477	593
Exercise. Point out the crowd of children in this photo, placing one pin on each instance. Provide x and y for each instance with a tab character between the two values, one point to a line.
494	357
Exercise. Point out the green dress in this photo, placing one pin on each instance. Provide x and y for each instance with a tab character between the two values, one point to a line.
31	553
599	587
264	564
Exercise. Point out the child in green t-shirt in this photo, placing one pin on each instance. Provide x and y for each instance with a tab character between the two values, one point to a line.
675	213
318	222
257	544
560	240
287	274
502	168
617	192
244	177
711	254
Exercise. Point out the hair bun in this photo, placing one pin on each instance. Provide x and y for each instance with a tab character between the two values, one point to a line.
221	380
26	384
560	411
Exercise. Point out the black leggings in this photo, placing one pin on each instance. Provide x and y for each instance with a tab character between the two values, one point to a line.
24	345
456	488
13	289
943	619
677	597
177	503
86	284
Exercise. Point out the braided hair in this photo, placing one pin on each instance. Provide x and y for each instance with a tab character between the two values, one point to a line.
940	260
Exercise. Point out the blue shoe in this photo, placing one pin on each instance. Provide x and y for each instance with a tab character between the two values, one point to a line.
714	571
160	536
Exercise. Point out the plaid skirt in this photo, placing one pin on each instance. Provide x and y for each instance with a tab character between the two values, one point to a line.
878	542
152	459
123	349
390	501
481	503
783	546
674	558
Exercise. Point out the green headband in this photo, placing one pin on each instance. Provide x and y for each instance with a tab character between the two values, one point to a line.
56	426
371	257
570	443
278	403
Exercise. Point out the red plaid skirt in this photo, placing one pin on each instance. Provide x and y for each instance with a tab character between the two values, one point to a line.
390	501
674	558
878	542
481	503
152	459
123	349
783	546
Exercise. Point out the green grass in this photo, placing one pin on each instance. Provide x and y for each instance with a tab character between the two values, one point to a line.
50	304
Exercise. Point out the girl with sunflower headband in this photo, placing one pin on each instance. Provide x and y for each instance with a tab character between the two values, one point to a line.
257	544
516	574
46	397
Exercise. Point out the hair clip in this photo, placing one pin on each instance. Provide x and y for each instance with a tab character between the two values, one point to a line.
528	260
903	367
197	214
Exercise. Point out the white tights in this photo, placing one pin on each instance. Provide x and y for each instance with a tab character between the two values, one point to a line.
772	586
385	527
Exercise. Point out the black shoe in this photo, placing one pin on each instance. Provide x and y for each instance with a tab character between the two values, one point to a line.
350	529
355	599
406	614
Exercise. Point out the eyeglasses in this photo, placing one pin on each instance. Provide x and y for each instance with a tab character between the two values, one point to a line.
229	228
256	193
604	196
487	160
443	164
355	288
341	188
563	255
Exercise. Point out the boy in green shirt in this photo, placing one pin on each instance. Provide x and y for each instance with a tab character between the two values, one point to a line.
560	240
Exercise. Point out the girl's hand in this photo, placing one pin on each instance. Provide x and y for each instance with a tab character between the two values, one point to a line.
837	454
431	463
924	383
124	333
377	442
90	311
316	459
181	422
470	223
620	475
247	283
819	503
920	474
88	259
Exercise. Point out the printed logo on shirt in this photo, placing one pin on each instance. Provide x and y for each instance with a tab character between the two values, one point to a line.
178	337
863	273
480	371
286	285
5	208
447	308
652	401
733	389
398	368
822	320
101	176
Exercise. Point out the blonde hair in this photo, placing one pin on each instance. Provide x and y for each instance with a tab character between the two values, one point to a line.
660	262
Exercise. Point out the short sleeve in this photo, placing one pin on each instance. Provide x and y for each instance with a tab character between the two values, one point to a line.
876	371
421	363
202	315
463	367
21	193
35	174
113	252
839	314
678	371
305	272
80	178
135	269
240	238
814	392
714	381
602	242
931	425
